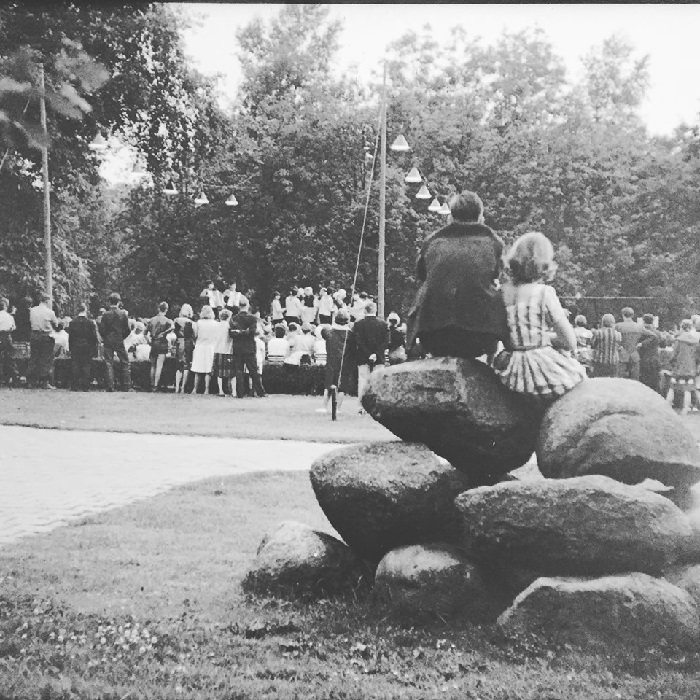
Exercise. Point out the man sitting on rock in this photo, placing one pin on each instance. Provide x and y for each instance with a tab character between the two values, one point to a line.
458	310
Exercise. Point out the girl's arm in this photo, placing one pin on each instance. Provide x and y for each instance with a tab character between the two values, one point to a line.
560	323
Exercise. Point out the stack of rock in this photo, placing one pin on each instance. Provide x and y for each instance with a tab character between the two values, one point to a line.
455	520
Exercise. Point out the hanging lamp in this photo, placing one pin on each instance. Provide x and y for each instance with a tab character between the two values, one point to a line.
413	176
423	193
201	198
400	144
170	188
232	201
444	209
434	205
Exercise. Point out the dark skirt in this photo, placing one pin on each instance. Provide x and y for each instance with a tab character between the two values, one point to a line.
224	366
183	353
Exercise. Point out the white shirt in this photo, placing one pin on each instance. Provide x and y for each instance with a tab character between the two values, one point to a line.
7	321
325	305
277	347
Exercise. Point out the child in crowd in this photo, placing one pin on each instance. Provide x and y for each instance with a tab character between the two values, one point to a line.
606	345
529	364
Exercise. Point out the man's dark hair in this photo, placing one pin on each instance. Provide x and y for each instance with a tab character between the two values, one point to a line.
82	308
163	306
280	332
114	299
220	285
466	206
648	319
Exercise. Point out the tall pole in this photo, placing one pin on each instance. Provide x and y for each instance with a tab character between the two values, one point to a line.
382	207
48	265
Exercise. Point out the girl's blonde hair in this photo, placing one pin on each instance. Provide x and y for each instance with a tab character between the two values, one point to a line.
531	258
207	312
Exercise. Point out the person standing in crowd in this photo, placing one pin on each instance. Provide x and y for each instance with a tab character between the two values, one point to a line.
309	308
325	307
60	338
276	311
223	357
7	361
206	336
359	307
459	310
208	295
371	339
242	329
397	340
158	328
606	344
82	339
649	362
292	307
43	323
184	347
584	338
23	334
217	297
114	329
685	360
341	365
632	333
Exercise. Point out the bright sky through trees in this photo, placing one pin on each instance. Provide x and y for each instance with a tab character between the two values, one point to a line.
667	33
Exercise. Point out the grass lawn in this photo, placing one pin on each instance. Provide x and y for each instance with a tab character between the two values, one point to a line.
144	602
277	417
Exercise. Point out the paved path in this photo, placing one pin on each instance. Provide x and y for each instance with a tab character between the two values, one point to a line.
50	477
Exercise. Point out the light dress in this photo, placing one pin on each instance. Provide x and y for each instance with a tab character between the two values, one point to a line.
208	332
531	365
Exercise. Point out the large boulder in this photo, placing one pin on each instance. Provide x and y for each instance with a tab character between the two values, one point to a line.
380	496
635	609
459	409
297	560
585	526
686	577
434	579
619	428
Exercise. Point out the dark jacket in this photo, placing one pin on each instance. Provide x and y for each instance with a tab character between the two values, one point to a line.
649	347
82	336
114	327
457	267
241	329
371	338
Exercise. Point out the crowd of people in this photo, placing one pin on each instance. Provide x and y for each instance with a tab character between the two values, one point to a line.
476	300
223	339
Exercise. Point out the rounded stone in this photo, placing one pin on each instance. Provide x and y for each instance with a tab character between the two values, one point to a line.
380	496
618	428
459	409
434	580
634	609
585	526
296	560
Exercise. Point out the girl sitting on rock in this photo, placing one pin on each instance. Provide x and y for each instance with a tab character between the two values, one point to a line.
538	359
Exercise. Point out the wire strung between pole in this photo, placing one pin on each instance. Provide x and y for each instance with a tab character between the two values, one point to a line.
335	389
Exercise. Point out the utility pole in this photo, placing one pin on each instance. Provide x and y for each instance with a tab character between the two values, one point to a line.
382	208
48	264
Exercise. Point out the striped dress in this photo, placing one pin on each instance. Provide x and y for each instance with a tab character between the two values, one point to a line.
531	365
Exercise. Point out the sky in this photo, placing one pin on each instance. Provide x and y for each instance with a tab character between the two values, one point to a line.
667	33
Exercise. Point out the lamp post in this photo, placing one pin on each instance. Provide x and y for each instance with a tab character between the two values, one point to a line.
48	260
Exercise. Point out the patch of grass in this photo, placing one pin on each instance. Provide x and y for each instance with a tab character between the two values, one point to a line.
144	602
277	417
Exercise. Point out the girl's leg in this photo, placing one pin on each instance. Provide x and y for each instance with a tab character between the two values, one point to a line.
185	377
220	382
207	380
153	374
159	369
197	377
178	380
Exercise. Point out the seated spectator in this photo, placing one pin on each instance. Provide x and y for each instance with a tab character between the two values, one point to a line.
135	338
397	340
292	336
278	347
320	349
305	342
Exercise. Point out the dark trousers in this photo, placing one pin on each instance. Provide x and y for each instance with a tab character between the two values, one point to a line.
604	369
41	348
249	361
8	372
124	369
325	320
629	369
81	363
649	374
458	342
